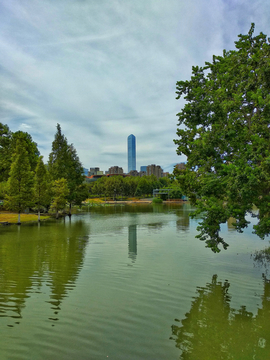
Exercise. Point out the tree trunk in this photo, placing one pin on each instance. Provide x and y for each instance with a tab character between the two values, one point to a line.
19	219
38	215
57	214
69	213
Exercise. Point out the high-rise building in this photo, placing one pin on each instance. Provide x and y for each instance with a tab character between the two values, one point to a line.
95	171
154	170
116	170
131	142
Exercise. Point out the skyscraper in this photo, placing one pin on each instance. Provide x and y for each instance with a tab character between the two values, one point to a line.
131	141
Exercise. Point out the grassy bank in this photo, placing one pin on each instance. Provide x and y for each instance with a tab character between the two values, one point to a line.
12	218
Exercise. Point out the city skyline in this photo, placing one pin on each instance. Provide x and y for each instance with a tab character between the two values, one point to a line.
103	70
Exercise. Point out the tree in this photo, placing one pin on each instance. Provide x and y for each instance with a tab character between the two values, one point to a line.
65	163
41	185
58	158
99	187
144	186
5	154
3	189
75	178
60	192
30	146
225	135
130	185
8	143
20	183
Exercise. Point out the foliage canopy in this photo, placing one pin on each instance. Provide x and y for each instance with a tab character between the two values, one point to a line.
224	132
20	183
65	163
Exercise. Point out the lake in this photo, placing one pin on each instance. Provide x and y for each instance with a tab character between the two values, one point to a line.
131	282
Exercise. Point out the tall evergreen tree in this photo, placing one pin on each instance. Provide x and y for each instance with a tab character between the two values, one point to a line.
60	193
41	186
8	143
65	163
75	177
20	182
58	158
30	146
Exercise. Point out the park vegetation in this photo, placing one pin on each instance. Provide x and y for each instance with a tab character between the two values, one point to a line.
27	183
224	131
121	188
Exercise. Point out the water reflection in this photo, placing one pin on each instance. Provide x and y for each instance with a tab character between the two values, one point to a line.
261	258
132	242
183	218
41	258
155	226
121	209
230	223
214	330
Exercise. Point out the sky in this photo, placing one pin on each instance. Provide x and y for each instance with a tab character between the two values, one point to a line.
105	69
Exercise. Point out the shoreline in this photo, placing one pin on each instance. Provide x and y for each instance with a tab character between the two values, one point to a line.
10	218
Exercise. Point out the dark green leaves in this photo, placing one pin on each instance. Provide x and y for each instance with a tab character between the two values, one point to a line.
224	132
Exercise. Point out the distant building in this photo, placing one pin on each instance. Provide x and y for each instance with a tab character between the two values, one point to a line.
180	166
131	144
143	168
94	171
166	174
133	173
115	170
142	173
154	170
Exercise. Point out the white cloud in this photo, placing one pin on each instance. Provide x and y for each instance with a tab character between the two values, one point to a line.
105	69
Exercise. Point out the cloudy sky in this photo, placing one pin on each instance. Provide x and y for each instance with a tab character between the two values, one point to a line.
104	69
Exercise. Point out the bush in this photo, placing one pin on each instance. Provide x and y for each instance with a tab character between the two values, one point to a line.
157	201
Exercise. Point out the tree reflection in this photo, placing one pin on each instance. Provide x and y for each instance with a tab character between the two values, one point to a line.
183	218
49	255
213	330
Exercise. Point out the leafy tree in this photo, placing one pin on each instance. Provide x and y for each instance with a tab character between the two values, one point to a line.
130	185
175	193
5	154
64	163
58	158
20	183
60	193
164	182
99	187
41	186
75	178
8	143
144	186
3	189
224	132
82	193
114	186
30	146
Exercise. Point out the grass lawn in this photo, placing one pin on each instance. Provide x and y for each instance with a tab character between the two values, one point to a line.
13	217
94	201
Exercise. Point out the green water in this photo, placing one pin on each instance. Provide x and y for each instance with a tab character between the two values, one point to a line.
131	283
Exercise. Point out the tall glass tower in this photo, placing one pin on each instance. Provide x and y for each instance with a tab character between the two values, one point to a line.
131	141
